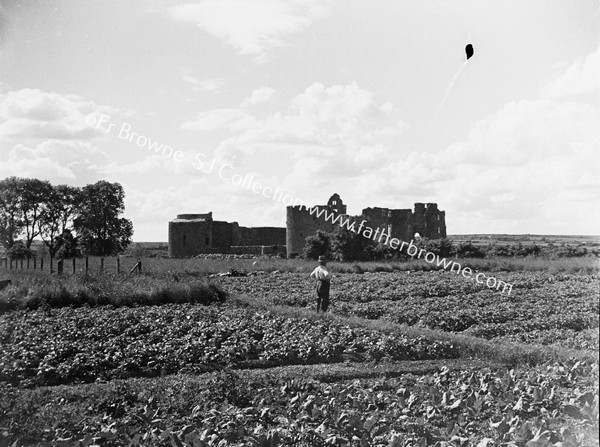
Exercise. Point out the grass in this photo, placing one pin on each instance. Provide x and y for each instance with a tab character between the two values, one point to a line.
39	291
200	267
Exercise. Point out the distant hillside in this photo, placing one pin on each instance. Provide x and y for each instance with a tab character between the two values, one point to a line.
525	239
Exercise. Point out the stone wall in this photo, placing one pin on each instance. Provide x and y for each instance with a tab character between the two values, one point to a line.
189	237
262	236
193	234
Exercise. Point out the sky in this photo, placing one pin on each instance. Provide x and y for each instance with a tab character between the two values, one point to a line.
241	107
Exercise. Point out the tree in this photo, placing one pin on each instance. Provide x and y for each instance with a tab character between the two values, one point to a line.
349	246
33	193
57	215
100	229
11	217
20	251
342	245
317	245
67	246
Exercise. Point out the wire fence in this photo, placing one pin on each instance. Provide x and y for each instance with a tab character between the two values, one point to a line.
74	266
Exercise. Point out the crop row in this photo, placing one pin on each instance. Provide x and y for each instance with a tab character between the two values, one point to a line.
84	344
549	405
539	306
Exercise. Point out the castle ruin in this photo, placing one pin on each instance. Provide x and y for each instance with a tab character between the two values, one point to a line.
193	234
403	224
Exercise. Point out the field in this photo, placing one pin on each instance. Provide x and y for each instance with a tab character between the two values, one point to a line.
406	356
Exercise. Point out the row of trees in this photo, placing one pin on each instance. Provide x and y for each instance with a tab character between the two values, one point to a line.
69	220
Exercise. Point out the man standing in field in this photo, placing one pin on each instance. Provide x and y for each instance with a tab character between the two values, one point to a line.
323	278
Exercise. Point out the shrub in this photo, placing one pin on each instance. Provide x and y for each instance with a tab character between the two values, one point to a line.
318	245
20	251
348	246
468	250
441	247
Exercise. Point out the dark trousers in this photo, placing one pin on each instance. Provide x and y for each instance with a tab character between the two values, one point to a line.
322	295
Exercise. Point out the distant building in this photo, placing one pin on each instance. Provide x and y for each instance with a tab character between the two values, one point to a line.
403	224
193	234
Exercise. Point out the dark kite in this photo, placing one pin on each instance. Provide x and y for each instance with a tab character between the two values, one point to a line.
469	51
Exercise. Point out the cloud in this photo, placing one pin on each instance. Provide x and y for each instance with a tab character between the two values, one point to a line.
252	27
531	167
207	86
258	96
340	129
35	114
214	120
149	165
54	160
582	76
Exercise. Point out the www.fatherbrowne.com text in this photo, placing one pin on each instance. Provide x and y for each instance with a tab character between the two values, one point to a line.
412	250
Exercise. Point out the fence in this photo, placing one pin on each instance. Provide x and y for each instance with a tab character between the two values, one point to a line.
73	266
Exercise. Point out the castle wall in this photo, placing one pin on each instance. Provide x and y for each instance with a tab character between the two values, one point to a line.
402	224
193	234
262	236
222	234
301	224
188	238
427	220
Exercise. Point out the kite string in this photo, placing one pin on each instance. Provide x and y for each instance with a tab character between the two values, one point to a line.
448	90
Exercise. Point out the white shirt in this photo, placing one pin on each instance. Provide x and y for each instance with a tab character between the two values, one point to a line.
320	273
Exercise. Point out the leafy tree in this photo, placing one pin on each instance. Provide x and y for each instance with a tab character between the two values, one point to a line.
67	246
100	229
317	245
33	193
20	251
348	246
11	217
57	215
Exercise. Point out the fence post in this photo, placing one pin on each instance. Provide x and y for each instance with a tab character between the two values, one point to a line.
102	265
21	263
118	265
74	266
87	265
41	263
136	268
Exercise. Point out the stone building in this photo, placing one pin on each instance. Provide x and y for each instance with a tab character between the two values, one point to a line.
193	234
425	219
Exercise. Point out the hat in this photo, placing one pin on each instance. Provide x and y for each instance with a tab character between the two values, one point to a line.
322	259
